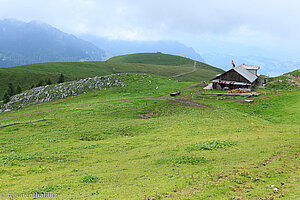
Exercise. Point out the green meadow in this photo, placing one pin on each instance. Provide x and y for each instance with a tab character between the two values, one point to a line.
136	142
153	63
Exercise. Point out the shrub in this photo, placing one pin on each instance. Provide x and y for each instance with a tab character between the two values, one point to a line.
40	83
11	89
48	81
61	78
6	97
19	89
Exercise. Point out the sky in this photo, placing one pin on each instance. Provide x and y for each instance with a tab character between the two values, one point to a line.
265	24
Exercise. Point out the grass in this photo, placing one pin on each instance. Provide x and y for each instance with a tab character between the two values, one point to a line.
279	84
89	179
295	72
101	148
204	97
210	145
182	160
29	75
152	58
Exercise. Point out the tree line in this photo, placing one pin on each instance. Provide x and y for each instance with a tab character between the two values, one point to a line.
11	90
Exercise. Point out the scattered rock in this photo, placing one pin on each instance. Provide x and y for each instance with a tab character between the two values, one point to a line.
61	91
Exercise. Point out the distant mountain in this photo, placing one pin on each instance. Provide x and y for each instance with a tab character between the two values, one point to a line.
122	47
35	42
268	66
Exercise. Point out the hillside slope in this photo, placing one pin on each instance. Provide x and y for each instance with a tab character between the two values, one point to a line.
152	58
35	42
127	143
30	75
286	82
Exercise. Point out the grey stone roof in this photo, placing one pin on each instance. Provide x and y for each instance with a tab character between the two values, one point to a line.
245	73
250	66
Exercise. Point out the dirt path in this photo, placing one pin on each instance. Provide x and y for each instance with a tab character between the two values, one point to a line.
191	103
195	69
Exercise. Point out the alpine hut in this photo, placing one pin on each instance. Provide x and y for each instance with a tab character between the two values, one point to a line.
240	77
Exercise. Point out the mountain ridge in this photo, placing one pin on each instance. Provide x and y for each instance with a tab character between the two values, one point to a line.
37	42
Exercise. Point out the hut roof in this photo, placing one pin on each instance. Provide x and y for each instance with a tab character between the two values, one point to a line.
249	66
245	73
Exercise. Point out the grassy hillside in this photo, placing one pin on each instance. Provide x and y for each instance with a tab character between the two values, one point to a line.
296	72
152	58
286	82
126	143
29	75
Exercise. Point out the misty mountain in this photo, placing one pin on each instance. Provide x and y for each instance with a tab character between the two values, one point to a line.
268	66
35	42
122	47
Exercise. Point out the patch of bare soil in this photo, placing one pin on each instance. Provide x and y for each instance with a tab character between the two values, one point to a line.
191	103
146	115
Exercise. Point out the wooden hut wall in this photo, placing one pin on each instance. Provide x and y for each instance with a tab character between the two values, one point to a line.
232	75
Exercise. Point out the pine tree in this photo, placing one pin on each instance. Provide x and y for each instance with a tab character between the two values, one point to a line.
41	83
11	89
19	89
61	78
6	97
48	81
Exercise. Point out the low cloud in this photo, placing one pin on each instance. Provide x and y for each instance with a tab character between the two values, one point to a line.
267	22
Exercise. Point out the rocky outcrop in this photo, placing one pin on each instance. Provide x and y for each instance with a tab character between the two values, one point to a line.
62	90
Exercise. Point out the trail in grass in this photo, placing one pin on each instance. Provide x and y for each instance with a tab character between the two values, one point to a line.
194	70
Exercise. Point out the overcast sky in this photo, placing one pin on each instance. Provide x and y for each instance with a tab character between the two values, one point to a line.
261	23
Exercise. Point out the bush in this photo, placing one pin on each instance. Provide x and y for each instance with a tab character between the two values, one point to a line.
61	78
11	89
19	89
40	83
6	97
48	81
